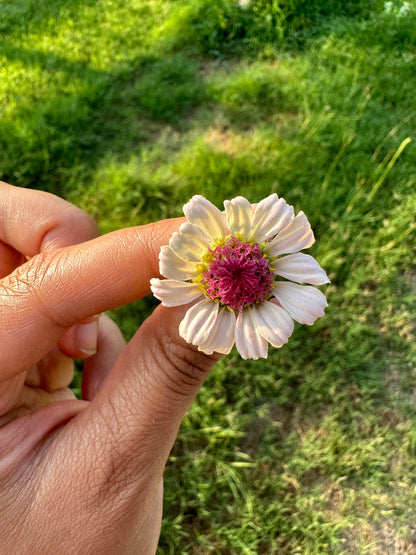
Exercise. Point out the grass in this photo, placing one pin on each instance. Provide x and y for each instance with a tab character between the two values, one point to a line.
129	108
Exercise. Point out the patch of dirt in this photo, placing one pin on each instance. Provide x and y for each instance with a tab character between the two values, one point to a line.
395	386
280	417
285	419
378	540
222	137
410	278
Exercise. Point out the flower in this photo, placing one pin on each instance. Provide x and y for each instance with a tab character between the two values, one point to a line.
243	271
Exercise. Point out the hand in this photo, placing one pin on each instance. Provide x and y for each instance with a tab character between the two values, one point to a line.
84	476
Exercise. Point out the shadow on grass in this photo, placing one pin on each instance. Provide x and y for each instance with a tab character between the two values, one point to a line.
116	112
224	28
108	112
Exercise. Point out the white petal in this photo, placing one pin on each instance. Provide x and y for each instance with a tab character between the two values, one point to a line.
202	213
270	216
221	338
190	243
238	214
304	303
296	236
273	323
249	342
173	292
301	268
198	321
173	267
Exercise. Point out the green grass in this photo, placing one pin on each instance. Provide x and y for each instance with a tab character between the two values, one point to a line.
127	109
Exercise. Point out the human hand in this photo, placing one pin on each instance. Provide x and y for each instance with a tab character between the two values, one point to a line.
84	476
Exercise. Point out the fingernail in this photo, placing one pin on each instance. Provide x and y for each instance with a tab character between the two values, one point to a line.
86	336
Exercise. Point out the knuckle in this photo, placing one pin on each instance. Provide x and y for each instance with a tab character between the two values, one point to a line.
182	366
33	282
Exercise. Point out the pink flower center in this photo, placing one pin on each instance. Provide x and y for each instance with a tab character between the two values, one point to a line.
237	274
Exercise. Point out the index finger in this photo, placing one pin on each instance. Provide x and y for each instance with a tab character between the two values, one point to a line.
56	289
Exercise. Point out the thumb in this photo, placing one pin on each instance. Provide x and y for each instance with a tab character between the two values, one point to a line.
159	374
134	419
111	456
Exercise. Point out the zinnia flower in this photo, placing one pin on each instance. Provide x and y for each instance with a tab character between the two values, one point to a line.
238	268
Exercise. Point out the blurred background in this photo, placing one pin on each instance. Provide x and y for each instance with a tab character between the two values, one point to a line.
129	107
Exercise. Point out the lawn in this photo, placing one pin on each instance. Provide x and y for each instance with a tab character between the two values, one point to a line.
129	107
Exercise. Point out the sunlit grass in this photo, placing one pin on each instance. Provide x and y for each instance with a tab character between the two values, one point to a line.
128	109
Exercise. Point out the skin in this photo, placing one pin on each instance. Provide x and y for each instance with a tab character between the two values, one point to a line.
84	476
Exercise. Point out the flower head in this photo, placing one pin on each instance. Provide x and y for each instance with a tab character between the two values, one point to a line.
242	269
